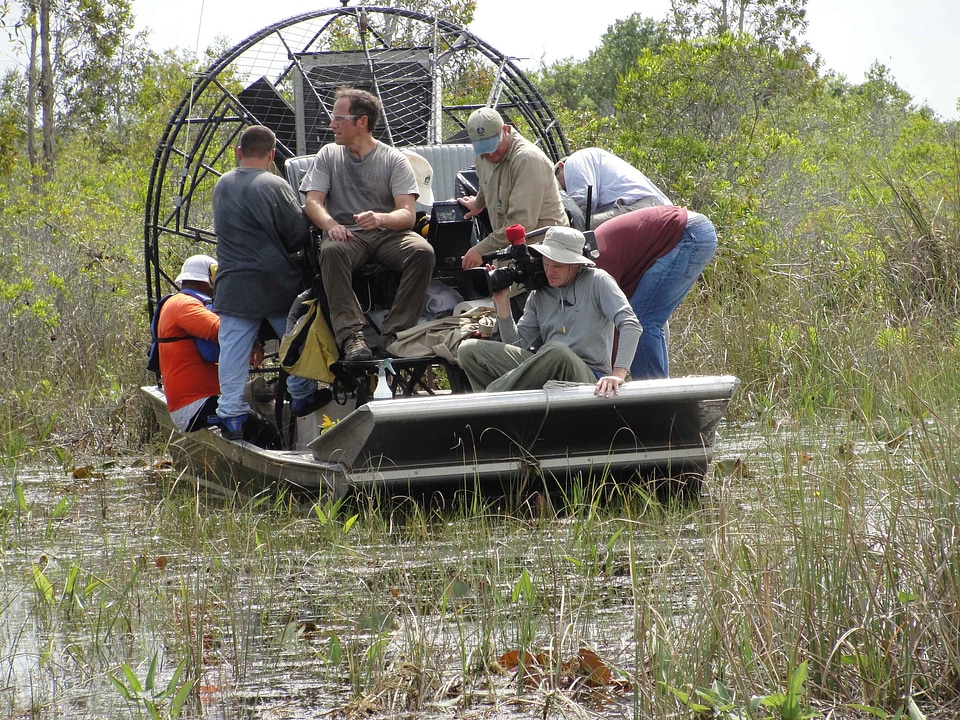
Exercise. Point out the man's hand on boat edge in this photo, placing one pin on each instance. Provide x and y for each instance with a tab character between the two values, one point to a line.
611	382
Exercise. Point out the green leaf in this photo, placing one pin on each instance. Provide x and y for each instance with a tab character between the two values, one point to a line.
176	705
906	598
875	711
773	700
459	589
70	587
524	587
611	543
336	652
686	699
349	523
913	711
133	682
175	680
151	674
19	496
61	508
120	687
676	692
44	588
797	678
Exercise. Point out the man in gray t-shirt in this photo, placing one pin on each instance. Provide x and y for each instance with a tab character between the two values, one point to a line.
362	194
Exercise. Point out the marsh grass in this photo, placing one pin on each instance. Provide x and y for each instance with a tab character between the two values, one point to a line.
818	573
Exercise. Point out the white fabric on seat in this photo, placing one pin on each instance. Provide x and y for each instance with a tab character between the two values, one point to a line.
295	168
446	161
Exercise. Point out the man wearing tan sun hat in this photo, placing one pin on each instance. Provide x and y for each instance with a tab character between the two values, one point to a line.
570	322
517	186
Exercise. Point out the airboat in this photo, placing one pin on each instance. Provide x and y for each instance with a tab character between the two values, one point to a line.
431	435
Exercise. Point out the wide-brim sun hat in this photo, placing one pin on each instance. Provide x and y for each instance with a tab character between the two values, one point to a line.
199	268
563	245
423	171
485	126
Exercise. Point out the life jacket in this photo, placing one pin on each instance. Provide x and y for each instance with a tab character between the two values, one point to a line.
209	351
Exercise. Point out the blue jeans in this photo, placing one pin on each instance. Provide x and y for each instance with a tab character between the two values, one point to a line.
661	290
236	341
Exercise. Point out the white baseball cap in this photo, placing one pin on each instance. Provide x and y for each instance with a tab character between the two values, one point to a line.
423	171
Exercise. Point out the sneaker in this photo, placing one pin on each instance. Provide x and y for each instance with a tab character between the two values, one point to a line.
355	349
231	428
313	402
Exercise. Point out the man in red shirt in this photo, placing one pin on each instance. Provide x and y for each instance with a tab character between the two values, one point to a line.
656	255
190	381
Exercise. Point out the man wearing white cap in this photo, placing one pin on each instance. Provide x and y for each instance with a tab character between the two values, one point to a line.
186	332
569	323
189	369
517	186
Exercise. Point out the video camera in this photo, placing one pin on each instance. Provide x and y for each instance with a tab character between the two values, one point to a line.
525	268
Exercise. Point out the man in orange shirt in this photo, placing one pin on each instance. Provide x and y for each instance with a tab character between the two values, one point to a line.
190	381
187	332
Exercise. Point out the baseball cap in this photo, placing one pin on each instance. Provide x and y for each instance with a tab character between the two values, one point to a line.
423	171
484	128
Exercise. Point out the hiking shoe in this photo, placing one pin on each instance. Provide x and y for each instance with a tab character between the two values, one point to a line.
313	402
355	349
231	428
386	340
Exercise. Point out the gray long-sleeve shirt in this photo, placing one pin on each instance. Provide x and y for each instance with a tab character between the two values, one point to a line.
582	315
259	226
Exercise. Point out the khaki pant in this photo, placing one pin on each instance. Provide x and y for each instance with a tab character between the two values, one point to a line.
494	366
619	208
405	252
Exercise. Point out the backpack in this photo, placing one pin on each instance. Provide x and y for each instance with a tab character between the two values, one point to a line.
209	350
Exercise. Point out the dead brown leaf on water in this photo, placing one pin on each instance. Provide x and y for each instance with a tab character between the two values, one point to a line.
585	667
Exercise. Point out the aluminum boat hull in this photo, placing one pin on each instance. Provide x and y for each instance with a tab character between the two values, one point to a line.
660	429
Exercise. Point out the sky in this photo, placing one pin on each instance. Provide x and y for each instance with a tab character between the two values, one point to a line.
917	41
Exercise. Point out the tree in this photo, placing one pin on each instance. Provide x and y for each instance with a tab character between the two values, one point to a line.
775	22
11	120
619	48
75	67
715	117
590	85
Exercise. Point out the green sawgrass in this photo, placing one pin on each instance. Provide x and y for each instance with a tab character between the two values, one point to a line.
817	573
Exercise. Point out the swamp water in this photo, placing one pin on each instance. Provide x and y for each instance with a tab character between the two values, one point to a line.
126	593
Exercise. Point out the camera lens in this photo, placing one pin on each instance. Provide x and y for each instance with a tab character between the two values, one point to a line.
502	278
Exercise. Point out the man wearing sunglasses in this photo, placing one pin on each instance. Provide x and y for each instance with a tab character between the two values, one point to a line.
362	194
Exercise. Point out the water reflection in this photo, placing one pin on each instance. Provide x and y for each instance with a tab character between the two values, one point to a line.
279	614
